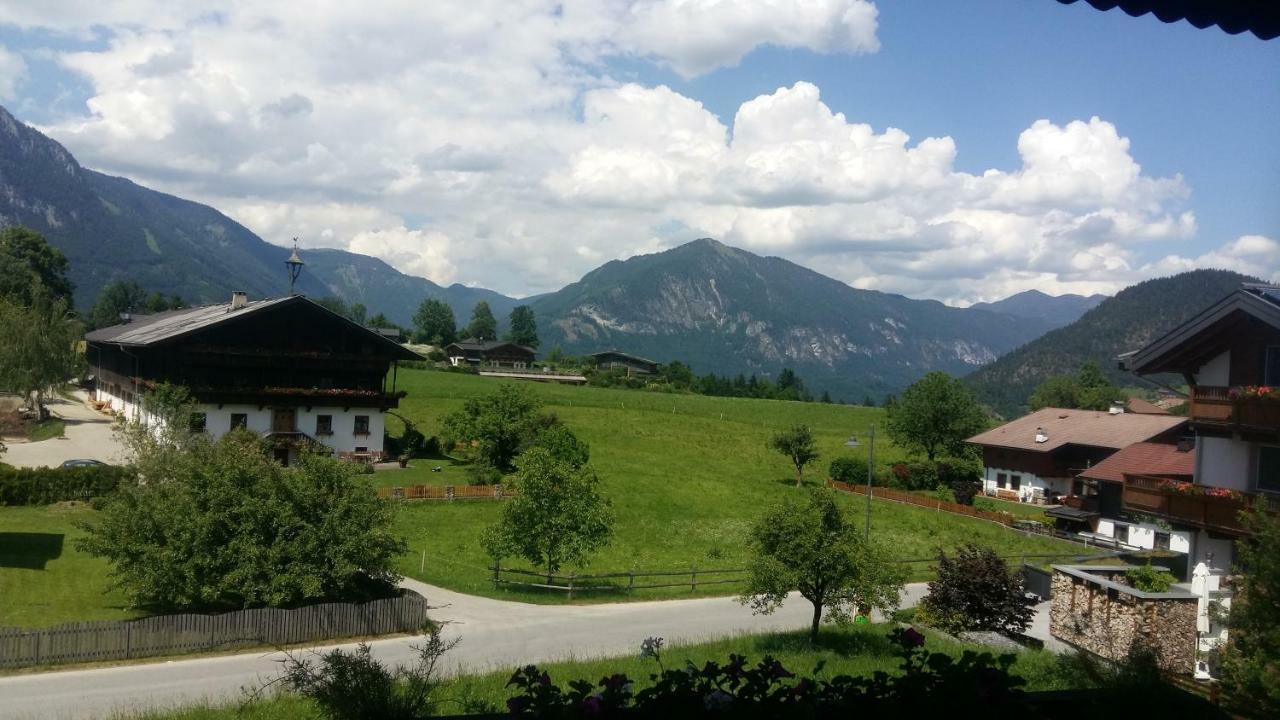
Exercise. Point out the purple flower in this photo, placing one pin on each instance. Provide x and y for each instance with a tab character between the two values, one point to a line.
778	672
592	707
913	638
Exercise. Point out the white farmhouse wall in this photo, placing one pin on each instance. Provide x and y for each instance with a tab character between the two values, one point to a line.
1223	462
1029	481
1216	372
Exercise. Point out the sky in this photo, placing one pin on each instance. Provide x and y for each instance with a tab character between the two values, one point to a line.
956	151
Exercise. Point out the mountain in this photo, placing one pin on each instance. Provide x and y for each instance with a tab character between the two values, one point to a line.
1134	317
113	229
1053	310
728	311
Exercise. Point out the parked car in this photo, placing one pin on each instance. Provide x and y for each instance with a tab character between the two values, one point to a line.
82	462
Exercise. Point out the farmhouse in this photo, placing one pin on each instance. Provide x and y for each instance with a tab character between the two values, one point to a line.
285	368
1037	457
490	353
618	360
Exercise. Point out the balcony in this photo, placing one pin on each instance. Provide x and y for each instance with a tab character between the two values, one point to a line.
1215	406
1189	504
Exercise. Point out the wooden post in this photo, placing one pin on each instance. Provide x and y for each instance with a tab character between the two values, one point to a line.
694	572
128	640
631	582
495	572
448	492
422	567
572	575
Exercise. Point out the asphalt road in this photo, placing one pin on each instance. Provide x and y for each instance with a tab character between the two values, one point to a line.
88	436
494	634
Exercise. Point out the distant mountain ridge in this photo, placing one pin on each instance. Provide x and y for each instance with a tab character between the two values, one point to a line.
1134	317
729	311
1054	310
113	229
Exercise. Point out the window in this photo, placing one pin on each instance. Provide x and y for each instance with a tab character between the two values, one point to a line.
1002	480
324	424
362	424
198	421
1015	481
1269	468
239	421
1271	373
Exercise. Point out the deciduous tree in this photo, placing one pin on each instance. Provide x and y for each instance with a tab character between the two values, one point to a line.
115	299
435	323
28	263
501	423
935	415
37	347
1088	389
1251	660
974	590
798	445
806	544
524	327
483	325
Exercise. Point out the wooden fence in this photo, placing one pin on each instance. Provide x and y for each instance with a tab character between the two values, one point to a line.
176	634
926	502
446	492
618	581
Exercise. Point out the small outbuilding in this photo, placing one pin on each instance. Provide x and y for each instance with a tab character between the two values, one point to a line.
617	360
490	354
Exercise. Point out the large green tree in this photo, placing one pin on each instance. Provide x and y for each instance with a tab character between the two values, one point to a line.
38	346
483	325
28	263
1088	389
501	424
226	526
797	443
1251	660
935	415
114	299
559	517
435	323
524	327
806	544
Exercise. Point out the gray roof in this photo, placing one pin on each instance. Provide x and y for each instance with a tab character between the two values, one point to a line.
145	330
487	345
615	351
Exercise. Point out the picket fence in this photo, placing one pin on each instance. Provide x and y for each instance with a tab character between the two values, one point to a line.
926	502
446	492
177	634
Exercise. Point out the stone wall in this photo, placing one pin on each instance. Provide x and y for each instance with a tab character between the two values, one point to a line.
1105	618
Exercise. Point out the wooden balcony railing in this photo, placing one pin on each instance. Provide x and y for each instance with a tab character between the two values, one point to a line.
1214	405
1159	497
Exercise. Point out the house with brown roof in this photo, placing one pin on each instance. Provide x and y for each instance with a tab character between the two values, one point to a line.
1037	457
1103	492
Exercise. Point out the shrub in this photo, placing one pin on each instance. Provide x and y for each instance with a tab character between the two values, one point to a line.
42	486
1148	578
848	469
482	473
965	491
974	590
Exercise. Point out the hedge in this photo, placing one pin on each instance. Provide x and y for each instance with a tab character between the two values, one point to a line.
42	486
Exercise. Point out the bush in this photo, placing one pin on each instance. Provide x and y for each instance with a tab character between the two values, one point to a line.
482	473
965	491
848	469
42	486
1148	578
975	591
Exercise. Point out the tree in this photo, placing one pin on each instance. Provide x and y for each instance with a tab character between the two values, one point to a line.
159	302
38	347
114	299
380	321
358	313
435	324
807	545
936	414
28	263
564	446
797	444
1251	660
559	516
524	327
334	304
677	373
975	591
483	325
1088	389
502	424
224	525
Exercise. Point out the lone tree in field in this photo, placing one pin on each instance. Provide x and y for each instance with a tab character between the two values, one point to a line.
935	416
558	518
806	545
797	444
483	325
501	424
435	323
524	327
975	590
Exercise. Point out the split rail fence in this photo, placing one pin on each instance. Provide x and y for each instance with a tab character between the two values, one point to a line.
188	633
693	578
446	492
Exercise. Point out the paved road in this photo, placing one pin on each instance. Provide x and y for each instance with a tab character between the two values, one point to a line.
88	435
494	633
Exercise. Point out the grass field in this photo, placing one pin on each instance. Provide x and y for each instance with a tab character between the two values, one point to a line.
687	475
46	430
858	650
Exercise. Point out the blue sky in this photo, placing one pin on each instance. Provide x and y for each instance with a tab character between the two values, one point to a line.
576	136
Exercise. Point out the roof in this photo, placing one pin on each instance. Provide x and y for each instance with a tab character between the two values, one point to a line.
149	330
1173	351
1260	17
1144	458
487	345
1095	428
1143	407
629	356
1070	513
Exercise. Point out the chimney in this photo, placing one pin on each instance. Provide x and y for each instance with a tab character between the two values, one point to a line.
126	317
239	299
1041	435
1117	408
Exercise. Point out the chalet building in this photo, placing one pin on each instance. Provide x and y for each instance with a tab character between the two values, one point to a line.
1229	356
1100	501
617	360
1037	457
490	354
285	368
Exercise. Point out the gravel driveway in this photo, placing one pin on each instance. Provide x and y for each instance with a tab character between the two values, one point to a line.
88	436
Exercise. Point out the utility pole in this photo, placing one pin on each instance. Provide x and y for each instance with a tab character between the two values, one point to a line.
871	465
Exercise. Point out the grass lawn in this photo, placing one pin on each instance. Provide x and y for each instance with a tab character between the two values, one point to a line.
1021	511
858	650
46	430
44	580
687	475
